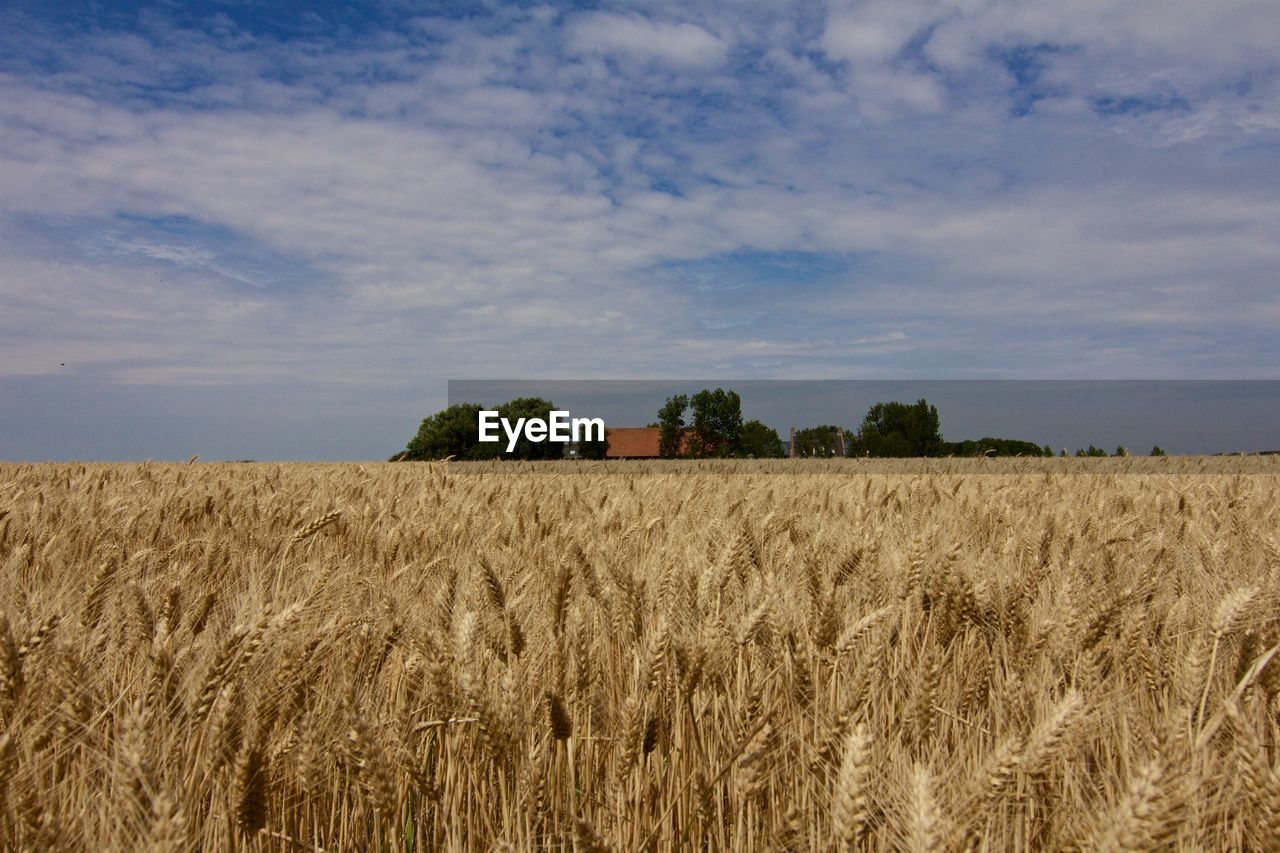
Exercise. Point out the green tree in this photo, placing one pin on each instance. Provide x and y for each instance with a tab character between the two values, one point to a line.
717	423
454	431
821	441
1157	450
529	407
671	426
760	441
899	429
594	449
995	447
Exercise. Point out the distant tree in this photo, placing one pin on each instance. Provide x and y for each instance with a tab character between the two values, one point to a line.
994	447
1121	451
760	441
819	441
1047	450
450	432
900	429
671	426
594	449
1157	450
716	429
1091	451
455	432
529	407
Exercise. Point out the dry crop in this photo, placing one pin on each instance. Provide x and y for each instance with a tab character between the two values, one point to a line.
806	656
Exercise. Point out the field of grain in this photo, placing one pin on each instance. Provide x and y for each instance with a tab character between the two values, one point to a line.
1033	654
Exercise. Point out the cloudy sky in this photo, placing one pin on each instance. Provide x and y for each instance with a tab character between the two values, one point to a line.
276	229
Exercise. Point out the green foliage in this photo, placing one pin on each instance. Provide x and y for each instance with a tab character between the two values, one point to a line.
1157	450
593	449
901	429
529	407
450	432
1091	451
760	441
819	441
671	426
898	429
995	447
716	430
455	432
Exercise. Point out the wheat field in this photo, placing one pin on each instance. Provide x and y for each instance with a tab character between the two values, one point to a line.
995	655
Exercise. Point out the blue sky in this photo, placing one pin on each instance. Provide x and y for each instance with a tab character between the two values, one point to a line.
297	220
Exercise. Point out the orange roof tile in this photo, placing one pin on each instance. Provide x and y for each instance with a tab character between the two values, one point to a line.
632	442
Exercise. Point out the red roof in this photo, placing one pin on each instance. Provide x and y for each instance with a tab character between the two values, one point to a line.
637	442
632	442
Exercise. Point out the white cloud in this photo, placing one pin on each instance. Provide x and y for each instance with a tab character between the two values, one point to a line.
873	32
680	44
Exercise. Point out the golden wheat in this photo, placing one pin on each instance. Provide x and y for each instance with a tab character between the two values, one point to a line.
800	655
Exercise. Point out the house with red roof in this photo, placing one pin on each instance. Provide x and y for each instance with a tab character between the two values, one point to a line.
629	443
632	442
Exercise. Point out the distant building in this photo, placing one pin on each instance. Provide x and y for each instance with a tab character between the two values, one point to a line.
632	442
626	443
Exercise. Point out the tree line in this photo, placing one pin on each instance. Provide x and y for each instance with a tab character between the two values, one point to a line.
896	429
455	431
709	425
